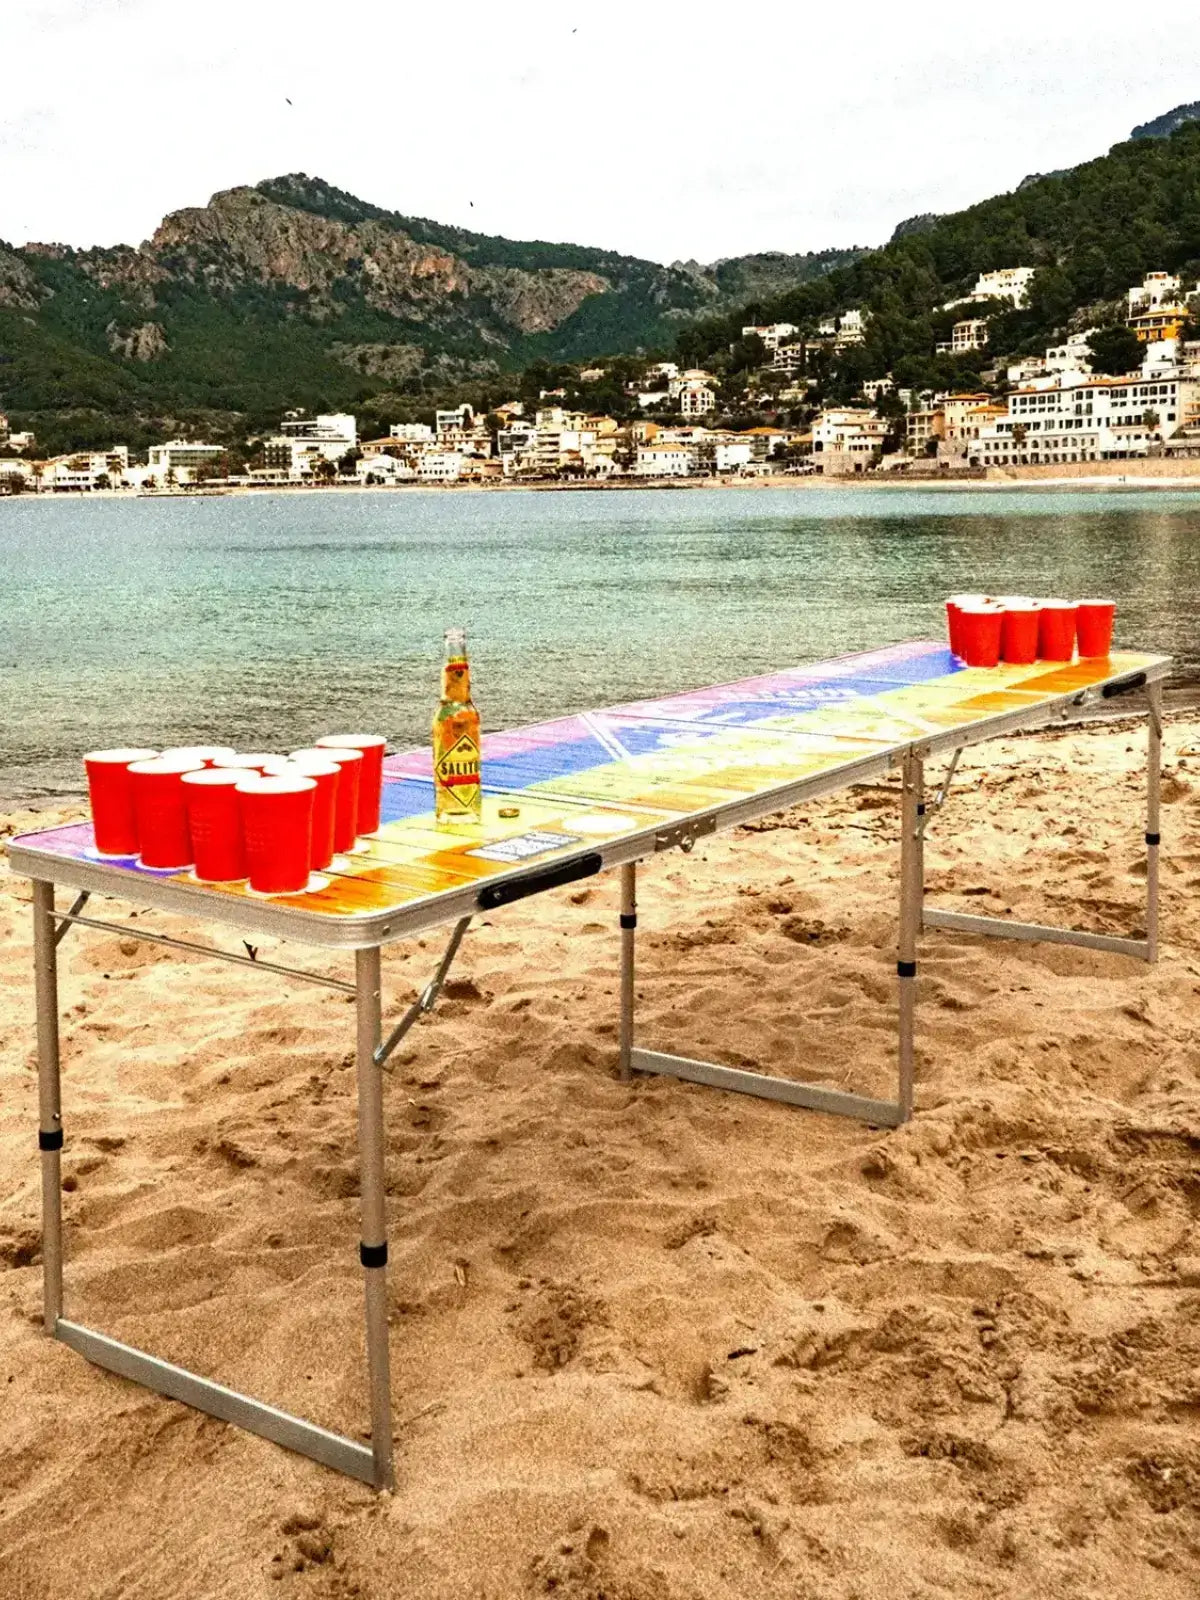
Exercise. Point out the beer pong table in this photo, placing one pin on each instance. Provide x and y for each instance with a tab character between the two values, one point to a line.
564	800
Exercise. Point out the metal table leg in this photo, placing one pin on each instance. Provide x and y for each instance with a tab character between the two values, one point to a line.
814	1097
1144	949
371	1465
912	891
50	1134
1153	797
628	935
373	1248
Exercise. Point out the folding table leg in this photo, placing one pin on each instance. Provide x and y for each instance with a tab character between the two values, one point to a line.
373	1248
912	891
1153	795
628	935
50	1136
1143	949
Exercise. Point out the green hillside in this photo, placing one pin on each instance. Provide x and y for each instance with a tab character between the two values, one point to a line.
1090	232
297	294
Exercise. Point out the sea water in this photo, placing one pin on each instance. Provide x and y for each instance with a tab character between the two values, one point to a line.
266	620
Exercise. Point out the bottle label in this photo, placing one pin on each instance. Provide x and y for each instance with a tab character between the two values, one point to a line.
456	772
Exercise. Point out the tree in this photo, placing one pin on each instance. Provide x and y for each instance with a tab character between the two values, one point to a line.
325	470
1150	420
748	354
1115	349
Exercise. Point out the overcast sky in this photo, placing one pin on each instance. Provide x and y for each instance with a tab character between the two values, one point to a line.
663	131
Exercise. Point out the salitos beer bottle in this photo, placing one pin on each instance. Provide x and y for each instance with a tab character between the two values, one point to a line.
458	795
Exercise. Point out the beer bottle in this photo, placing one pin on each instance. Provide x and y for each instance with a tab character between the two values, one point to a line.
458	795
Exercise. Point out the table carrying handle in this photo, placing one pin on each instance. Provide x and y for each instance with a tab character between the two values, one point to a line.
502	894
1135	680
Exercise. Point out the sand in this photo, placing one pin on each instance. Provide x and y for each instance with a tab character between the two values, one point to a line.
649	1341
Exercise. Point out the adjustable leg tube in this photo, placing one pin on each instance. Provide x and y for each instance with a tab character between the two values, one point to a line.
373	1249
1153	788
50	1135
628	935
912	889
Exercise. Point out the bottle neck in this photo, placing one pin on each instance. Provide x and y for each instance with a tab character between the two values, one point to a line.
456	680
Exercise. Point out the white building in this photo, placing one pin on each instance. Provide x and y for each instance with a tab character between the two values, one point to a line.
1005	283
513	443
681	380
411	432
789	359
334	433
696	400
87	469
664	461
381	468
302	442
733	454
440	466
847	439
1156	289
772	334
460	420
848	329
1073	356
837	423
183	458
15	441
874	387
970	334
1087	418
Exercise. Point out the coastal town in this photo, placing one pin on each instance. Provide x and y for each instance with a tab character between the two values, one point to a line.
1053	409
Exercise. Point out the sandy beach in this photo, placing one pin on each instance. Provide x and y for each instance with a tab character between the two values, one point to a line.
649	1341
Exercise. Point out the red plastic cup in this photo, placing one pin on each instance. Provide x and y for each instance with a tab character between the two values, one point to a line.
1019	630
215	822
201	755
268	766
1094	626
327	775
954	607
160	806
110	789
277	815
1056	630
370	783
981	628
345	817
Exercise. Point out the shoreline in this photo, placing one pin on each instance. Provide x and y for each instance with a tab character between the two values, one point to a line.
1098	483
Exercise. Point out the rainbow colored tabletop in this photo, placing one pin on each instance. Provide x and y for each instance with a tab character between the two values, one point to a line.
605	785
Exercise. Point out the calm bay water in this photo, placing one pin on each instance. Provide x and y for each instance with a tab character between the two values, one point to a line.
266	620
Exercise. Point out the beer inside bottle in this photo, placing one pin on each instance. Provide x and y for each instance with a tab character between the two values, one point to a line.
458	796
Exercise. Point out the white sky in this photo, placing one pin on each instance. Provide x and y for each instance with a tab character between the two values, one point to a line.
664	131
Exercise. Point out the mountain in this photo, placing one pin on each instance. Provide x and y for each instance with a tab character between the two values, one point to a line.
295	293
1162	126
1089	233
